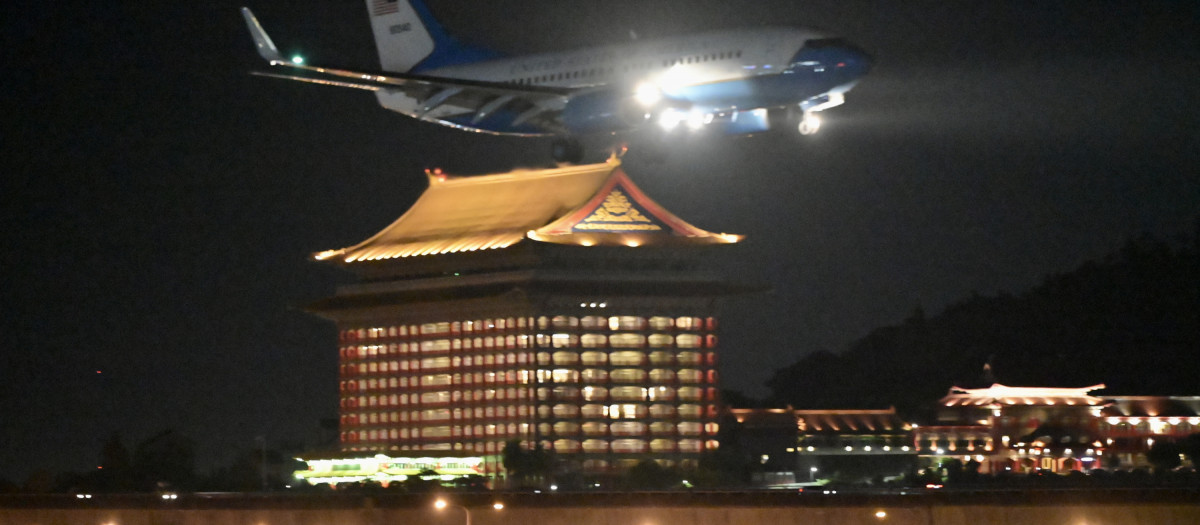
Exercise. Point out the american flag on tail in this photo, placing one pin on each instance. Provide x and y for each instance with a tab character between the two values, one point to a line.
384	7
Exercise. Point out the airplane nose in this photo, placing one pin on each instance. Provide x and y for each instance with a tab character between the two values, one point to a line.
860	57
847	57
864	60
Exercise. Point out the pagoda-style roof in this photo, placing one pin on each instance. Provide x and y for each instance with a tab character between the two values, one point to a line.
999	395
589	205
1153	406
850	421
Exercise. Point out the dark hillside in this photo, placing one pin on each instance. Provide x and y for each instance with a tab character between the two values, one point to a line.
1131	321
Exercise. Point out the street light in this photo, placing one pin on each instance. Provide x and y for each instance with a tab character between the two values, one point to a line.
812	473
441	504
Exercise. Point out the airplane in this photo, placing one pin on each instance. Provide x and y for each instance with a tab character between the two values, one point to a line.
733	81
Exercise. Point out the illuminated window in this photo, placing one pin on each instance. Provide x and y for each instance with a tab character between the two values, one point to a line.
430	398
594	358
435	363
566	411
627	393
662	445
689	429
566	358
566	445
628	375
660	393
595	429
627	358
628	446
594	411
661	375
628	428
435	380
594	322
562	321
595	393
592	341
660	341
595	445
661	323
625	322
690	376
661	428
593	375
441	414
436	432
564	340
567	393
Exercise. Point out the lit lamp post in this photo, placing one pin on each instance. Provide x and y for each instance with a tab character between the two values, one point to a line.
441	504
812	474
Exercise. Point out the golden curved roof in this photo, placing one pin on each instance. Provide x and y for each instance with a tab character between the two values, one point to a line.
587	205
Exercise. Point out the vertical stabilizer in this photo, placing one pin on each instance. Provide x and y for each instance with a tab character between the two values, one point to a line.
400	34
410	39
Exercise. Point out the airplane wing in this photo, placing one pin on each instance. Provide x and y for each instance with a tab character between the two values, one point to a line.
535	105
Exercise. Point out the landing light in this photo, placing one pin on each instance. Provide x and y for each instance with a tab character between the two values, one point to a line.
647	94
670	119
298	60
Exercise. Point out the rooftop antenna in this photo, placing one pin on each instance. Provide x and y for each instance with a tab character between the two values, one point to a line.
989	378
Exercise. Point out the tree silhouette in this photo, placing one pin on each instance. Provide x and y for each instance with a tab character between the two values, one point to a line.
1130	320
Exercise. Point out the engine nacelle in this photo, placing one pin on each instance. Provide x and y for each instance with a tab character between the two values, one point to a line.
603	111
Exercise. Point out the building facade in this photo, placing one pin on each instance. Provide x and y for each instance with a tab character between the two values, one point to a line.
1026	429
555	307
805	446
999	428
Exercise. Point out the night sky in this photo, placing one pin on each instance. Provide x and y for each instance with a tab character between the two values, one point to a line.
160	204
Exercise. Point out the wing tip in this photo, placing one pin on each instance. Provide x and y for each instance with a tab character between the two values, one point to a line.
266	48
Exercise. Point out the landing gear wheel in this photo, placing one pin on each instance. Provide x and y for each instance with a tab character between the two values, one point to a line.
566	149
809	124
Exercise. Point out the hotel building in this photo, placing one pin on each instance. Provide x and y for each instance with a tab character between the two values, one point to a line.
557	307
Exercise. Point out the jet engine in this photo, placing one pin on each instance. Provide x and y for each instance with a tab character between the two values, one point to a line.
604	111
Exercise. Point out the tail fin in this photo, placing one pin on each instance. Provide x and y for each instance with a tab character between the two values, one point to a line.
410	39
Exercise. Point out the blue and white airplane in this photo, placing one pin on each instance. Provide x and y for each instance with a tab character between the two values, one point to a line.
733	81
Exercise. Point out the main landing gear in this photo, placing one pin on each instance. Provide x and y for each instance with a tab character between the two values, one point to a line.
810	123
566	149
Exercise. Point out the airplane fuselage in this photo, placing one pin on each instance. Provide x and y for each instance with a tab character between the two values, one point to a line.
727	81
707	73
